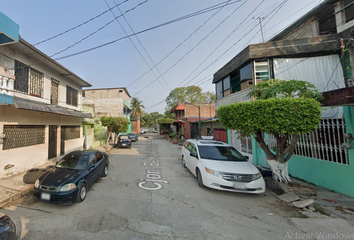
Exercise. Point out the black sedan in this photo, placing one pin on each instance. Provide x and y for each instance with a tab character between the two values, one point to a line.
71	177
7	228
124	141
133	136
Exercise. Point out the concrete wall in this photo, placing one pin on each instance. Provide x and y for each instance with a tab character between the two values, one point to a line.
108	102
310	28
26	157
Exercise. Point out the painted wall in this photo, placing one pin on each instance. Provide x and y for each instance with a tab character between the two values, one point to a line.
27	157
329	175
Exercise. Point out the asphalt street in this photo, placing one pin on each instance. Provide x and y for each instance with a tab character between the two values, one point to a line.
148	194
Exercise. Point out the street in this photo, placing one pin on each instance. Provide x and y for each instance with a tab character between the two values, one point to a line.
148	194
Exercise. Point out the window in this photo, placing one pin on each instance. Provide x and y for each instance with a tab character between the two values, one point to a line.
219	90
226	86
28	79
54	93
21	77
71	132
71	96
17	136
261	71
246	76
349	10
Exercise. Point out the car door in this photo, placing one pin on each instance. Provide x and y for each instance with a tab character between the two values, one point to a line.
193	160
92	169
99	163
185	152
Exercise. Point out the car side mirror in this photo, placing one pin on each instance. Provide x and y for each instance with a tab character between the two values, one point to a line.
91	166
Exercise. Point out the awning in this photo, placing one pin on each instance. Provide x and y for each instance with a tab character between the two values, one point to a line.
21	103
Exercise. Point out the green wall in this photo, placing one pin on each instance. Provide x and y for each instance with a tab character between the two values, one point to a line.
329	175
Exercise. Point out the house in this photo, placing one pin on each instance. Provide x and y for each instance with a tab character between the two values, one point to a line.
316	48
187	119
40	104
110	102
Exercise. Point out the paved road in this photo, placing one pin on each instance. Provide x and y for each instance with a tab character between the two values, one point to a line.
149	195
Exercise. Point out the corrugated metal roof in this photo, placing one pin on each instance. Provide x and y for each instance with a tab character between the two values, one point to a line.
21	103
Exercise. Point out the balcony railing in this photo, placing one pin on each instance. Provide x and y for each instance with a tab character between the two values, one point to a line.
241	96
6	85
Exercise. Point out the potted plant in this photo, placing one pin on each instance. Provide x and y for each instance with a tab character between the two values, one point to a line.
174	137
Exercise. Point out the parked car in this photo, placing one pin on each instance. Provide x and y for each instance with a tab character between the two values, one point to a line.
124	141
154	130
220	166
7	228
71	177
133	136
142	131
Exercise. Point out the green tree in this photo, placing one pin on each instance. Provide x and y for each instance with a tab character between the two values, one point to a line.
284	109
192	94
115	125
137	107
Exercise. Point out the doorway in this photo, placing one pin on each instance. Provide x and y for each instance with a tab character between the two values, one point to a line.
52	145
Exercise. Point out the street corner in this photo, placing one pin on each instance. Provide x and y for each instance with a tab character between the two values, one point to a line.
8	195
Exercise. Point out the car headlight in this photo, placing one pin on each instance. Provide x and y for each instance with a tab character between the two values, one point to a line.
256	176
215	173
68	187
36	184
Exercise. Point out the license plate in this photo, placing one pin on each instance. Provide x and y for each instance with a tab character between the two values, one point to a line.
45	196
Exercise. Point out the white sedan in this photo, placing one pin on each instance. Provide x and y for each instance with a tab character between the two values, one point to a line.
220	166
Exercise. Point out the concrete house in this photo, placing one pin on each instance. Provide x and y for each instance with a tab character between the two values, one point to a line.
317	48
40	104
187	118
110	102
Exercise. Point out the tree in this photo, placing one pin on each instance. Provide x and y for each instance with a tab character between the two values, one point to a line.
137	107
114	124
192	94
284	109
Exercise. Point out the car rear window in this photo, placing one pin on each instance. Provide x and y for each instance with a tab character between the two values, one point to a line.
124	137
220	153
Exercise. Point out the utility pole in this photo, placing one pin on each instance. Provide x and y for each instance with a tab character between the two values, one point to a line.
260	23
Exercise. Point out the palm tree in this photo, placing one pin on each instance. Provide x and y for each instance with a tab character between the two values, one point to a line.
137	107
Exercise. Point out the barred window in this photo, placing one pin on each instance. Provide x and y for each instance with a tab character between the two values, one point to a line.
71	96
21	77
71	132
36	82
17	136
26	77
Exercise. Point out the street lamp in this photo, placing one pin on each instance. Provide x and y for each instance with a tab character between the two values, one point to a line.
199	124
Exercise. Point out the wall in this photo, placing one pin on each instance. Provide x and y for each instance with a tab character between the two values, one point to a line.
135	126
309	28
26	157
207	110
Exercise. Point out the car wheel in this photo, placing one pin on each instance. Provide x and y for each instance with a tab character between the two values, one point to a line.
183	162
200	179
105	171
81	195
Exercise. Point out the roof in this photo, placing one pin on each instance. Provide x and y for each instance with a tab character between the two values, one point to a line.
26	104
201	142
178	107
98	89
41	58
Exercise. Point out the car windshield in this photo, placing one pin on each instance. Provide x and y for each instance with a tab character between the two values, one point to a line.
220	153
132	134
73	161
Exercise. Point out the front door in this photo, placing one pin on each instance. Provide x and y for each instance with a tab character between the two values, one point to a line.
62	140
52	148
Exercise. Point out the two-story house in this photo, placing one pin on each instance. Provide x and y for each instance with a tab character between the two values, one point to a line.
316	48
40	104
110	102
187	117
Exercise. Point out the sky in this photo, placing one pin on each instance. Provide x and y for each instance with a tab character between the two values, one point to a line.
150	46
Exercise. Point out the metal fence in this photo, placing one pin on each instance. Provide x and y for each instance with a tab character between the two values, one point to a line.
324	143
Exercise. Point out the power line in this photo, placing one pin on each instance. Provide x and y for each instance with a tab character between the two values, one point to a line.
148	29
81	24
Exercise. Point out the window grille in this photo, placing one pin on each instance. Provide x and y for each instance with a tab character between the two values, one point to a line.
21	77
324	143
71	96
36	82
54	93
17	136
71	132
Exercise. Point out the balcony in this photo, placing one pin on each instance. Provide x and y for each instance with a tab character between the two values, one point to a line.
241	96
6	88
